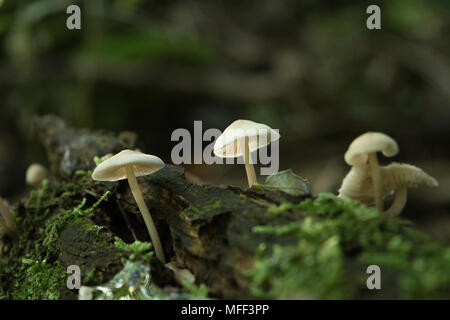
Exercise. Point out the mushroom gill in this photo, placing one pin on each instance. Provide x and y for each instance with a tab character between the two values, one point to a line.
396	175
400	177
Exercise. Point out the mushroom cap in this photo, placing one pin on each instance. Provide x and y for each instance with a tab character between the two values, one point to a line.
398	175
230	143
35	174
113	169
369	142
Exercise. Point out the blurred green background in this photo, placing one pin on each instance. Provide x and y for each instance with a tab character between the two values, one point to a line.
309	68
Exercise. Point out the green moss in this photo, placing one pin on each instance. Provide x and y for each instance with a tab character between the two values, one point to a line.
318	255
92	277
54	224
191	213
136	251
423	265
37	279
32	269
41	218
36	197
211	207
99	160
258	187
88	225
83	176
276	210
340	236
195	292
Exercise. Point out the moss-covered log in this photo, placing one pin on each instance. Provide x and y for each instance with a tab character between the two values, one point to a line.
206	228
241	243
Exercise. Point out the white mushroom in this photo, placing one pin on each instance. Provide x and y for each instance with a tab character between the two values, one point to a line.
36	173
128	165
240	139
368	182
363	151
181	274
85	293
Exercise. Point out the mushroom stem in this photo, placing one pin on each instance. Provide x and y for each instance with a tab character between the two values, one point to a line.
251	176
399	202
137	194
376	178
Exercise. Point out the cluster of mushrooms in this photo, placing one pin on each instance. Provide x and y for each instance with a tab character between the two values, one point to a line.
367	181
370	183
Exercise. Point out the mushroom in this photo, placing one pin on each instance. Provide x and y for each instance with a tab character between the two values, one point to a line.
7	222
181	274
367	180
129	164
85	293
363	152
400	177
240	139
36	173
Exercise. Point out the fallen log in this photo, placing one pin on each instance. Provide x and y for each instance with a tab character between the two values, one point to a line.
242	243
207	229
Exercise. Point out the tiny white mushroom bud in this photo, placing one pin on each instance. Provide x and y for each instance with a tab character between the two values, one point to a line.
35	174
181	274
85	293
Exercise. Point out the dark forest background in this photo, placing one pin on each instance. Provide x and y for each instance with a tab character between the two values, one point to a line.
309	68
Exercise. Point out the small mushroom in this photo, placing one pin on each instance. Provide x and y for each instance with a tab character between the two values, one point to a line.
400	177
129	164
367	180
85	293
7	222
36	173
363	152
181	274
240	139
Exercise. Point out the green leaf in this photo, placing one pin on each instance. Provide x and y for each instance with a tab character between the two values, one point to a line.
287	181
